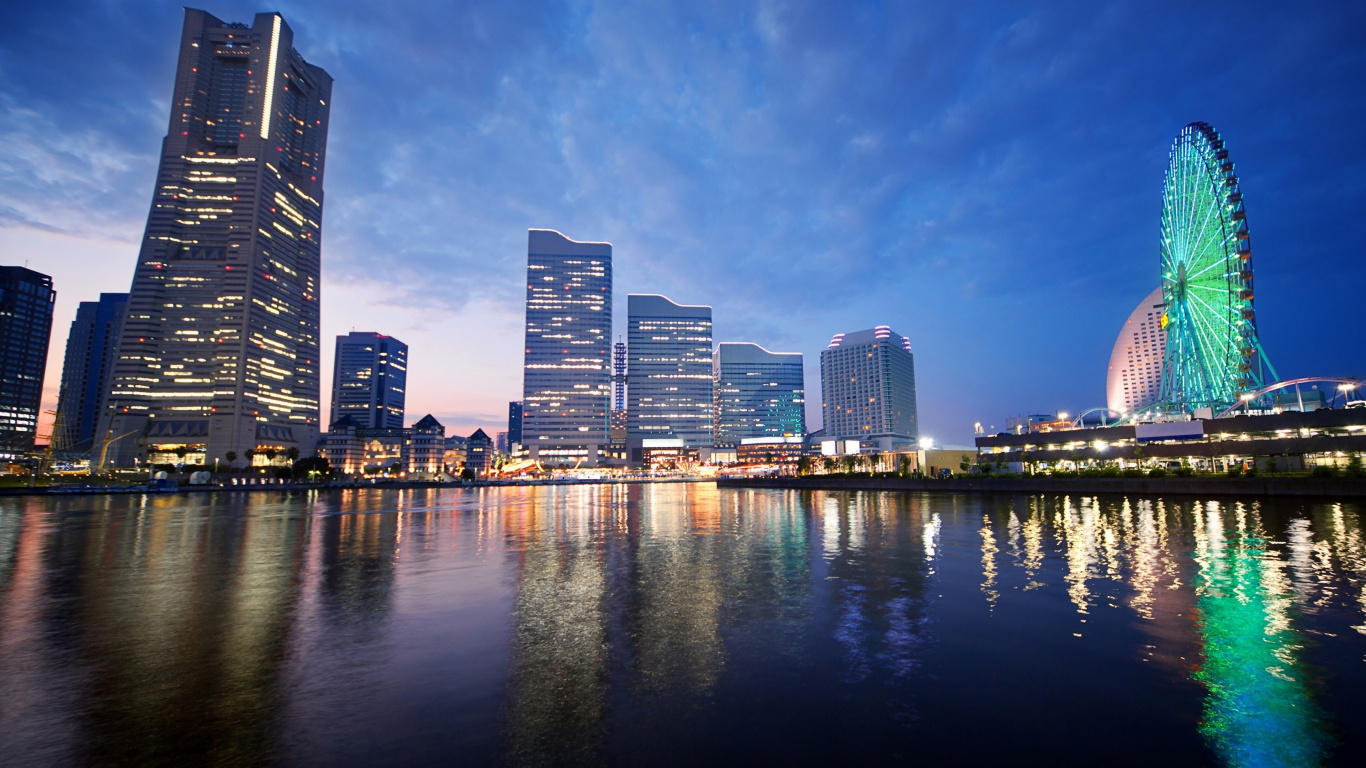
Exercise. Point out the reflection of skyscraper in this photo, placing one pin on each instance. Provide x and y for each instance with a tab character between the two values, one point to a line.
1134	378
758	393
559	688
25	325
85	370
370	380
567	375
219	351
668	373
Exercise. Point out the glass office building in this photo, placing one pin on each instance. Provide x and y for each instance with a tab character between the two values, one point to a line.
567	375
668	371
758	393
370	380
868	388
26	299
219	351
85	371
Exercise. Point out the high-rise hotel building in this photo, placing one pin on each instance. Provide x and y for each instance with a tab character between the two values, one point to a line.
868	388
219	351
1134	379
567	375
668	372
758	394
370	380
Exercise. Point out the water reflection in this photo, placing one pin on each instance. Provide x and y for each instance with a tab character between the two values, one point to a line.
598	624
1250	592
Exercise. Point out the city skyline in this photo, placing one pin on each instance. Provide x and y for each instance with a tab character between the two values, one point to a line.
1012	205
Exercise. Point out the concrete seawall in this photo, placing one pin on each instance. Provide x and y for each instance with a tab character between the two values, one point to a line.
1312	487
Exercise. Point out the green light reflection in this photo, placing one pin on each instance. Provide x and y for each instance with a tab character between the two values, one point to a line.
1259	710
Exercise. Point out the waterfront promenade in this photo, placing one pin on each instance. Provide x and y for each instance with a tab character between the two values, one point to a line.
1312	487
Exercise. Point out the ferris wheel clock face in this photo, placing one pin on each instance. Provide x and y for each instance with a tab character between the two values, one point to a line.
1213	355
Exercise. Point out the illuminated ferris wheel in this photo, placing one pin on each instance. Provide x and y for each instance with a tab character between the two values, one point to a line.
1213	355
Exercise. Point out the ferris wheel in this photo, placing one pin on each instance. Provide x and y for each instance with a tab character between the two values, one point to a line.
1213	354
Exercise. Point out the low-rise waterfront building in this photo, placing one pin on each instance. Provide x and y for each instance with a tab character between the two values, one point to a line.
417	452
479	453
1292	439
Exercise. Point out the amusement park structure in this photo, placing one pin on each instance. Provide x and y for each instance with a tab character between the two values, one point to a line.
1213	354
1206	350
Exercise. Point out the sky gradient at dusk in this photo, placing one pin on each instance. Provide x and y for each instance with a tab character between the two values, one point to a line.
985	178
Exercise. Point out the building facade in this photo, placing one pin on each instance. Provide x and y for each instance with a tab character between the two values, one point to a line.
219	351
370	379
418	452
566	384
479	453
868	389
758	394
668	373
1134	379
514	424
85	371
26	299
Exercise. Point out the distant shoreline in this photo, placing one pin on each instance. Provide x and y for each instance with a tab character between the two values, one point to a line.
1312	487
63	490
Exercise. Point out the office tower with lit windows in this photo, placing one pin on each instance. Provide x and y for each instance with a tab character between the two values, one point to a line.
85	370
757	393
668	373
219	350
26	299
567	375
868	389
369	380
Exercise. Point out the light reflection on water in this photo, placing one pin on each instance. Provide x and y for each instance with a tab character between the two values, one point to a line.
678	624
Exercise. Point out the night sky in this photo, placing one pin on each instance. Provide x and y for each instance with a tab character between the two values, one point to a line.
985	178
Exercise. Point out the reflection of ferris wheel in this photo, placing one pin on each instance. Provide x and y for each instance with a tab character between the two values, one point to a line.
1213	354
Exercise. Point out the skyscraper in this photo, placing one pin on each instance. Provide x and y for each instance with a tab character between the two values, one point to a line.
868	388
85	370
26	299
668	371
369	379
1134	378
514	423
566	384
619	375
219	351
758	393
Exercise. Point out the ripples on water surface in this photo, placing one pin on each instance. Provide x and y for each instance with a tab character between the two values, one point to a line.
679	624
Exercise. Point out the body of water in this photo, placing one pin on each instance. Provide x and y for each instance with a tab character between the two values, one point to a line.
679	625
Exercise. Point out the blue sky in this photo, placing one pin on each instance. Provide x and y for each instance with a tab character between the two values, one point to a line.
984	177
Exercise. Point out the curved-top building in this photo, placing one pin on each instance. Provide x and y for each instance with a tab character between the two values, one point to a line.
757	393
1134	379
